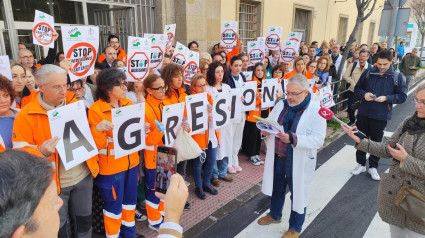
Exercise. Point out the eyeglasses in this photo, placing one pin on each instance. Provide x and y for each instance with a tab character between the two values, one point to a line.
159	88
293	94
71	89
422	104
121	85
27	57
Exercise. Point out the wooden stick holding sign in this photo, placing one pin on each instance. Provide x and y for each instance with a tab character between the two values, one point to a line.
269	88
197	112
249	92
129	129
76	143
172	118
221	109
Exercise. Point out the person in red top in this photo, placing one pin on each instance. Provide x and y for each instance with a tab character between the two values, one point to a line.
251	140
117	179
114	42
207	141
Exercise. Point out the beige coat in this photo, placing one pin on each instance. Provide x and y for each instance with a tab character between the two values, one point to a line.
411	172
354	78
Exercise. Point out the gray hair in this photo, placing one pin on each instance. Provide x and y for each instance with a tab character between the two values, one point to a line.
23	182
419	88
299	79
44	71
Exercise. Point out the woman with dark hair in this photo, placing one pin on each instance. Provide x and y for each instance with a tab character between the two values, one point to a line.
176	93
251	140
277	73
7	114
117	179
19	81
323	69
216	74
59	57
268	68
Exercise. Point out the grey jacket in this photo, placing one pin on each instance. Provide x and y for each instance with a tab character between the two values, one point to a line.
411	172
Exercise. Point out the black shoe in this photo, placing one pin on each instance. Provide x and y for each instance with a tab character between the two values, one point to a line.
200	193
351	123
186	206
211	190
139	236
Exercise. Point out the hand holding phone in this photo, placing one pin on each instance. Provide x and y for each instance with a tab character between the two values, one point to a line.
166	165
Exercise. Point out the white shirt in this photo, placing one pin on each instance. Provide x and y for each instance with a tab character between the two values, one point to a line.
88	97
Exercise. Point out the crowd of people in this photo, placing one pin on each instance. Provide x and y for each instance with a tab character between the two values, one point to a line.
127	184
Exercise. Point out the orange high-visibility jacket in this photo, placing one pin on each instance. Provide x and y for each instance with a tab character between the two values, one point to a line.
234	52
27	97
257	111
153	111
121	55
174	98
202	138
31	128
2	148
99	111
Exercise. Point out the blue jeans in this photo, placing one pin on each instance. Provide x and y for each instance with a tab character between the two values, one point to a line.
220	168
210	160
283	177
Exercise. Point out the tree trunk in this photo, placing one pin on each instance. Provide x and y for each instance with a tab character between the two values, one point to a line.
422	43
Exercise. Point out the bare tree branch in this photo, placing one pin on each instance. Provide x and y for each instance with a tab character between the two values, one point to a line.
418	12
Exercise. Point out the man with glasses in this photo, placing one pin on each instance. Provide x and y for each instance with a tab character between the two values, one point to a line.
26	57
31	132
291	154
114	42
378	91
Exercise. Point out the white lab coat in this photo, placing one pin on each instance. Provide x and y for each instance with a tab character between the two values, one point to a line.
311	133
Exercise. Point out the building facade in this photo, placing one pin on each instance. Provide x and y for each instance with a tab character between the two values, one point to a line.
198	20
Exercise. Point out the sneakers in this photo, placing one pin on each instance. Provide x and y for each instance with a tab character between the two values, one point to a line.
231	170
237	168
139	216
267	220
186	206
254	160
359	169
200	193
153	228
374	174
210	190
291	234
227	178
215	182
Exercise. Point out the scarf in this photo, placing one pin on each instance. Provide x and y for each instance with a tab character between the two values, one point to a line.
414	125
289	117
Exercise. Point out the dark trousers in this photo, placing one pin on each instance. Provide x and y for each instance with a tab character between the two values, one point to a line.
351	107
374	130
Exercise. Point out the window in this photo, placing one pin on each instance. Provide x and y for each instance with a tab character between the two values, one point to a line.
64	11
302	23
249	21
371	33
342	30
359	34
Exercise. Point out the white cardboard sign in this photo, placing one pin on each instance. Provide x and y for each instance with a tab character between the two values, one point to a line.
172	118
158	44
197	112
228	37
42	30
138	58
269	89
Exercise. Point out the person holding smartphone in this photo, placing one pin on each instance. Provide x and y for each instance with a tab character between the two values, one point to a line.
208	141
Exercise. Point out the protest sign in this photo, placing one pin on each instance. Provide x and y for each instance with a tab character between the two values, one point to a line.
228	36
221	109
269	89
158	42
42	30
274	34
129	129
197	112
181	54
192	66
170	31
172	117
295	36
248	75
255	52
139	51
249	92
235	104
289	52
70	124
5	67
285	84
326	98
80	44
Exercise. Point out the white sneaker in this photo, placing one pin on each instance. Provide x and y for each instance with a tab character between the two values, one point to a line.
374	174
254	160
359	169
139	216
259	159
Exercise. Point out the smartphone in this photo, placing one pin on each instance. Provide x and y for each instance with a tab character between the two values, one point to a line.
166	165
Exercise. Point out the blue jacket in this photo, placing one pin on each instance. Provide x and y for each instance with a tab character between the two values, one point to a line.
380	85
230	81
